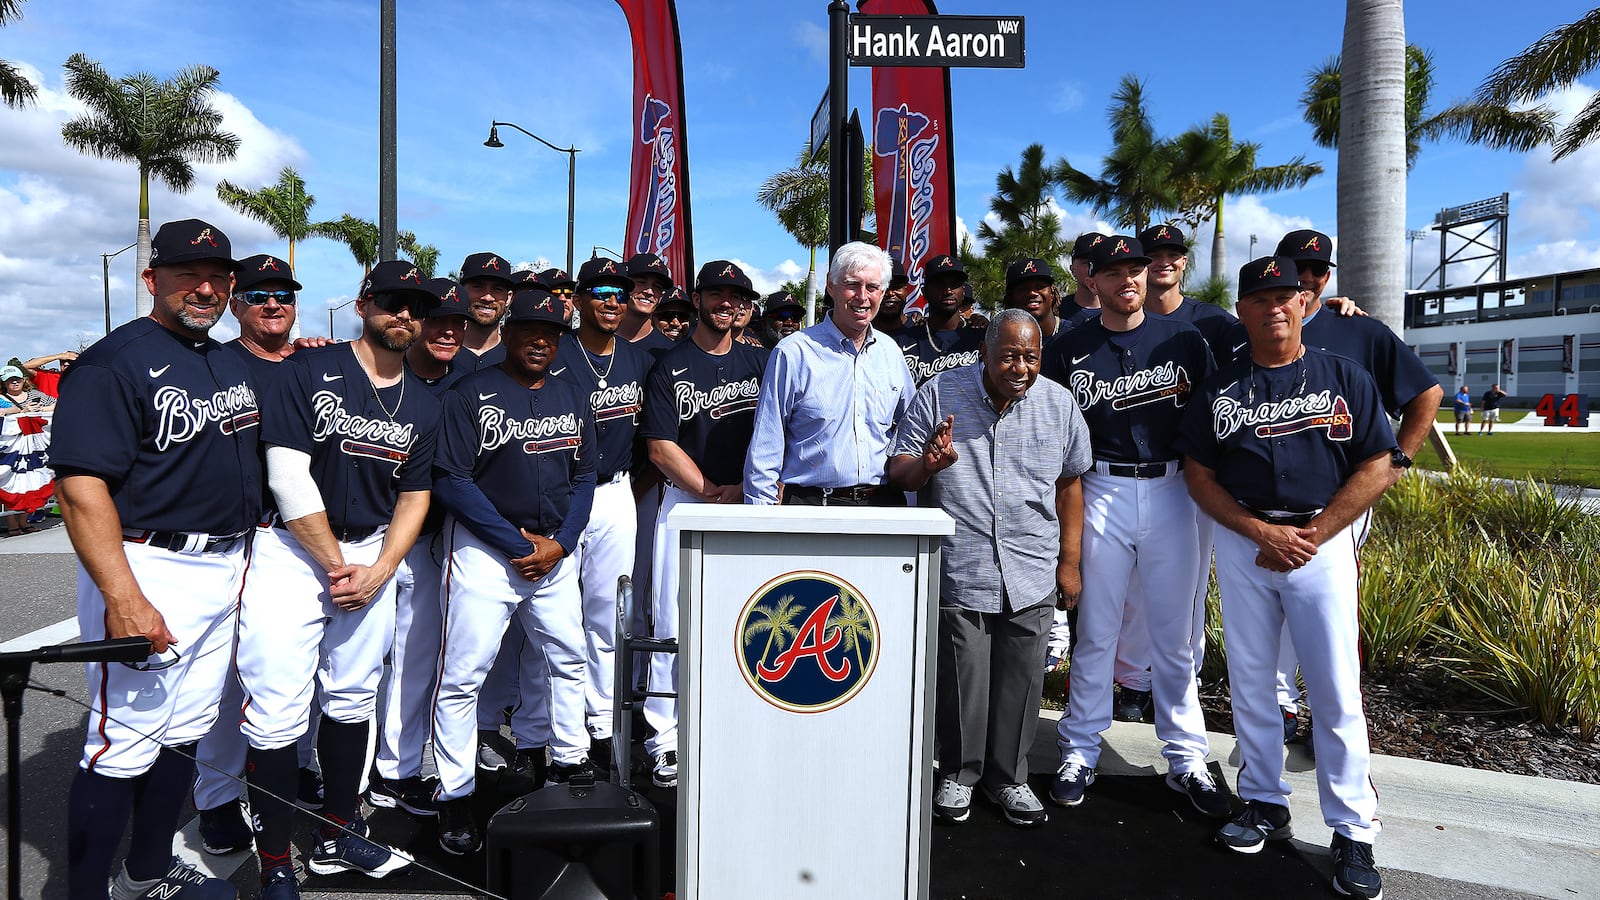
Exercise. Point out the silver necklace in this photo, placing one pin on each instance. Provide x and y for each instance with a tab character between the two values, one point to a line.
397	403
600	377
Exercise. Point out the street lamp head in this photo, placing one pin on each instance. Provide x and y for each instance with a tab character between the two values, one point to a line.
494	137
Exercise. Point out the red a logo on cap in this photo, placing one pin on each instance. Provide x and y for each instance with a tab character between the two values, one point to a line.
412	275
1314	244
1030	267
493	263
560	275
205	235
1162	233
1271	269
542	303
943	261
727	272
1097	239
269	263
608	268
1121	247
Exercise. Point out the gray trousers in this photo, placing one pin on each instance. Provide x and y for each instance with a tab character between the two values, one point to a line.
990	678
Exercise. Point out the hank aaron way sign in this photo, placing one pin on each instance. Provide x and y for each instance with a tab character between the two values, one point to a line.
936	41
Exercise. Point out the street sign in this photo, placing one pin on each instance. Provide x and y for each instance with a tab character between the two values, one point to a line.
937	41
820	123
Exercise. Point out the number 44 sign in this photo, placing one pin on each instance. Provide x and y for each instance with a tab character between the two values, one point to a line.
1571	410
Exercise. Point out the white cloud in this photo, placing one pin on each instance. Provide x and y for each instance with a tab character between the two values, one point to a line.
768	280
1242	217
1553	257
1552	201
814	38
1068	97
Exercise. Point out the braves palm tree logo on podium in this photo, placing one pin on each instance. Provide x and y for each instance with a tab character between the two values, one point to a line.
807	642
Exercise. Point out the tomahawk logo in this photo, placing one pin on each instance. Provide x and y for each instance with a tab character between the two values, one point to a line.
1168	381
898	136
1283	417
658	226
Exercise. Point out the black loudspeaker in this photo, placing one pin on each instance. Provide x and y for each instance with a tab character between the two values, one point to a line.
575	842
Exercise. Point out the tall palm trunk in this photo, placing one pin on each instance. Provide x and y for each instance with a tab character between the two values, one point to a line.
1372	159
142	301
1219	250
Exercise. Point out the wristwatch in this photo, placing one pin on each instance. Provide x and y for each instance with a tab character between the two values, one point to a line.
1399	459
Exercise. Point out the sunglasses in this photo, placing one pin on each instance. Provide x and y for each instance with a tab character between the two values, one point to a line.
393	303
157	661
787	316
260	298
1317	269
608	292
673	316
566	291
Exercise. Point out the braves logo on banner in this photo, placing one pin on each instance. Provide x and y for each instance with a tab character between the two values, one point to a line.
660	218
897	136
807	642
658	184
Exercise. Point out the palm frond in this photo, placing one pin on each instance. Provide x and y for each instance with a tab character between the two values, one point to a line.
1583	128
15	88
1554	61
1320	103
1492	126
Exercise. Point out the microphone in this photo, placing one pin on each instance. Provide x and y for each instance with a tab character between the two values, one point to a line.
124	650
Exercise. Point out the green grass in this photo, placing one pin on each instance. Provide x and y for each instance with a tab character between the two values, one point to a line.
1559	458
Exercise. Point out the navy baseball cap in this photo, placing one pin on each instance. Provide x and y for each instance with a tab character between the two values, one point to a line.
397	276
1306	245
1026	268
486	265
782	300
552	278
649	264
443	288
897	273
676	296
603	271
536	305
1163	236
721	272
1116	248
187	240
944	264
1085	243
254	270
1267	273
525	278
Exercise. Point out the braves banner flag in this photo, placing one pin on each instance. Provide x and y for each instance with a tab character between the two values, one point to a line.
913	181
658	188
26	480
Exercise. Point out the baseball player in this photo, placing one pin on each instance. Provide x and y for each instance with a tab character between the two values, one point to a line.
1031	286
397	779
486	288
516	472
1288	449
652	281
350	437
672	318
699	413
785	314
939	343
263	302
891	315
611	374
1130	373
562	286
157	475
1083	303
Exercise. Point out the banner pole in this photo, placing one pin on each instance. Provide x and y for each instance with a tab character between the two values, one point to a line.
838	103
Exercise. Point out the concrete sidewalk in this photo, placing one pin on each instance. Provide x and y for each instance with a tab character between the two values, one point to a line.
1513	832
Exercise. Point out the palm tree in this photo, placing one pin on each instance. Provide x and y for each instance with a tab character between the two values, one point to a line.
425	256
284	207
1218	166
987	274
358	234
776	622
1553	62
1022	203
1136	181
798	196
163	126
1372	159
855	627
15	89
1489	124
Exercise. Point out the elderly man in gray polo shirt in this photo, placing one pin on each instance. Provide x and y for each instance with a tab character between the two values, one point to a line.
1001	452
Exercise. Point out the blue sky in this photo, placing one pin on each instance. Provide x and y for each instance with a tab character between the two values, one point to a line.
300	87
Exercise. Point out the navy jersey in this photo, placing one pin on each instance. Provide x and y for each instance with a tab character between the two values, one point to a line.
169	423
929	352
1070	315
453	372
1284	439
262	371
367	445
1214	323
488	359
615	388
529	452
1400	373
706	405
657	344
1131	385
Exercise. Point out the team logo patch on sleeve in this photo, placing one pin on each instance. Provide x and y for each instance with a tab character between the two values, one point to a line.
807	642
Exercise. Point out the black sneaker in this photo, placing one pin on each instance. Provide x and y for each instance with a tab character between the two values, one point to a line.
226	829
1132	705
664	774
1250	830
458	830
309	793
600	750
526	773
184	882
578	772
1354	872
353	851
1291	723
1202	791
279	883
414	794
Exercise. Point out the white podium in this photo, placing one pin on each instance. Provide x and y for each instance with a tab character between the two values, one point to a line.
807	655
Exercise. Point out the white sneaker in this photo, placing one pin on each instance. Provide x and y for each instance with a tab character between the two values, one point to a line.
490	759
1018	803
665	772
952	802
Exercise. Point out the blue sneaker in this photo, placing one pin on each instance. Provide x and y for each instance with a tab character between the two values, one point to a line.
279	883
185	882
353	851
1258	823
1072	780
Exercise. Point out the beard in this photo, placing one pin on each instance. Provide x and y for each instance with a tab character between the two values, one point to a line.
387	339
198	324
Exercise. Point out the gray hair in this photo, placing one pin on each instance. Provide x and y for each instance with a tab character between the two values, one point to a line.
991	335
856	256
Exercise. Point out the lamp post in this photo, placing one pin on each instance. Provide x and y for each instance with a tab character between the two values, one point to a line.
105	277
1252	248
332	309
572	166
594	253
1412	236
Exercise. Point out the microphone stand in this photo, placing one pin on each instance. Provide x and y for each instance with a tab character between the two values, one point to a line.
14	671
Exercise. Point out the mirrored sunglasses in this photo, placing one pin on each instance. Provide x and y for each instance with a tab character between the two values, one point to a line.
260	298
608	292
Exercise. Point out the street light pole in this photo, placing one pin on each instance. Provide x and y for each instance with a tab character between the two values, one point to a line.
105	277
331	310
572	172
1252	248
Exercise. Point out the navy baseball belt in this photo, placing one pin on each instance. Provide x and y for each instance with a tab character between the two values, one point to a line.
184	541
342	535
1280	517
1139	470
854	493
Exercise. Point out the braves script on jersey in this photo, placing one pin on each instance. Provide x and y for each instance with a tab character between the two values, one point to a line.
1286	438
706	405
1131	384
617	405
930	352
367	445
170	423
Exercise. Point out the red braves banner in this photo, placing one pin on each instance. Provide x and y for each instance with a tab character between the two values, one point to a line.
658	189
914	182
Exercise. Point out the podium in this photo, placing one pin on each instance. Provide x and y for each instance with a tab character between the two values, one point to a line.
806	665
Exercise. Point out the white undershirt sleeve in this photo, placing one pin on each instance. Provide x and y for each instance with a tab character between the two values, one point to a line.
289	478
